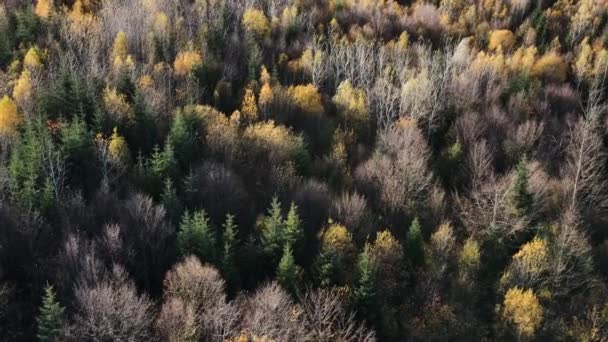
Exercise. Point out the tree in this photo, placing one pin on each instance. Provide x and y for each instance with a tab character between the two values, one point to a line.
32	59
287	271
9	118
503	39
170	200
196	237
528	266
230	241
110	310
44	8
365	286
249	107
307	98
272	230
521	201
256	23
118	149
293	228
186	62
352	107
415	244
195	304
22	92
120	47
50	317
522	309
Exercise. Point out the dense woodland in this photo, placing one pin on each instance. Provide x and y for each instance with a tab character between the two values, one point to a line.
303	170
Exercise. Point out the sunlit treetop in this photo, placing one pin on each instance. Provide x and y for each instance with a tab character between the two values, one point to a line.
522	308
32	59
307	98
256	22
9	117
44	8
186	62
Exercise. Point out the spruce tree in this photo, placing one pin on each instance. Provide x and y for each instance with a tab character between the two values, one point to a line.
287	271
228	263
415	243
293	229
195	236
170	200
365	287
520	198
50	317
272	231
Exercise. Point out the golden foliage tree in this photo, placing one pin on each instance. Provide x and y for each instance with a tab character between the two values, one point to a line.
337	238
120	47
256	23
249	107
118	149
116	105
352	106
44	8
550	67
23	88
522	309
307	98
32	59
186	62
9	118
503	39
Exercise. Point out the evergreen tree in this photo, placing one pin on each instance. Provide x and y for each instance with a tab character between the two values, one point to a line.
181	137
365	287
327	265
520	198
415	243
293	229
272	231
287	271
170	200
195	236
50	317
125	85
163	164
228	264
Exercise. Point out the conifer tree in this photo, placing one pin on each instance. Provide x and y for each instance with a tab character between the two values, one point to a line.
50	317
293	228
181	137
520	198
415	244
287	271
195	236
272	231
365	287
228	263
170	200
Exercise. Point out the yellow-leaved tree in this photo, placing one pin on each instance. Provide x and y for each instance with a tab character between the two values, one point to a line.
22	92
352	107
118	149
117	106
186	62
522	309
9	118
503	39
550	67
256	23
32	59
306	98
44	8
249	107
528	266
120	47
